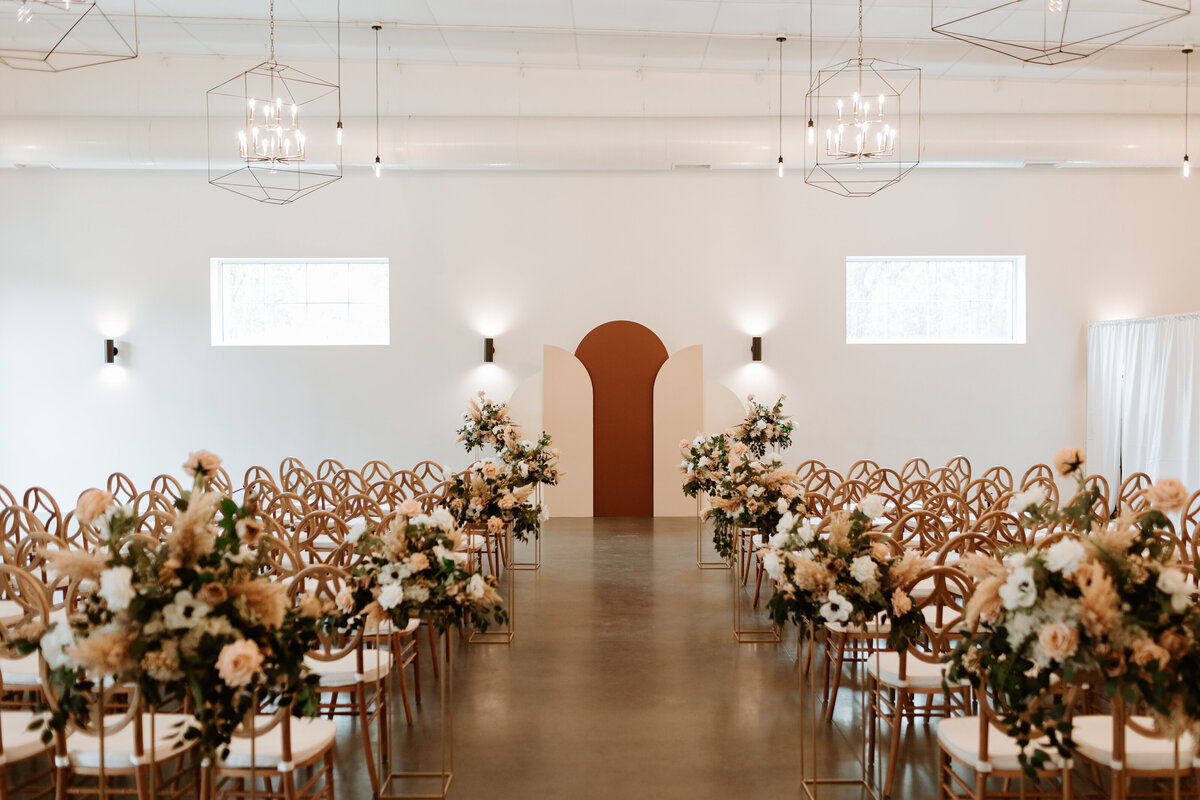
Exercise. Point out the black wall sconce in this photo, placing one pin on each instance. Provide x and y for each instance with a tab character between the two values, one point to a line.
110	351
756	349
489	350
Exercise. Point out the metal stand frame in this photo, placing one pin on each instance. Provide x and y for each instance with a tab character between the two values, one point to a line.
445	774
503	635
536	564
743	635
869	780
700	562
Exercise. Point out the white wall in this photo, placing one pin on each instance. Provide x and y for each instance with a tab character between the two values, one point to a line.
542	258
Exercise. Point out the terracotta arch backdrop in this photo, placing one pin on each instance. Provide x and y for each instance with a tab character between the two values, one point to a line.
623	359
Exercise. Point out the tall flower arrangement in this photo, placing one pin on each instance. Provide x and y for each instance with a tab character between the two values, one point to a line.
488	494
1105	603
705	461
764	427
530	462
846	576
411	570
753	493
189	622
484	424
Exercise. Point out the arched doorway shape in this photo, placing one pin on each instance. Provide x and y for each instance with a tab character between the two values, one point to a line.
623	359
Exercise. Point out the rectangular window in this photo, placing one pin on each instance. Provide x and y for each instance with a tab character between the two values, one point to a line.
939	300
316	301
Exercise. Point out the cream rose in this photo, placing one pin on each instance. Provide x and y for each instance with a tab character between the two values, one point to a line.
345	600
1167	494
92	505
410	508
239	662
1058	640
1068	460
201	462
418	562
901	603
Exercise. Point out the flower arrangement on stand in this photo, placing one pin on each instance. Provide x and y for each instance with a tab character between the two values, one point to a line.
705	461
764	427
489	494
753	493
1103	603
412	570
190	622
484	424
847	576
530	462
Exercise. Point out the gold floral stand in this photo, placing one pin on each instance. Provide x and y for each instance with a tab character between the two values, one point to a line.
536	563
503	635
743	634
700	562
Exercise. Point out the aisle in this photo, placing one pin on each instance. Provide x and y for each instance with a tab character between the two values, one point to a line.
623	682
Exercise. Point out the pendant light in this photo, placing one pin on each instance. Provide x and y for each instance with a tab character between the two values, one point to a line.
812	138
1051	31
1187	85
258	143
339	70
781	40
869	114
378	163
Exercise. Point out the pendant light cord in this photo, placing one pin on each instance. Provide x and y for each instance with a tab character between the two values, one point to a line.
781	40
1187	85
339	60
376	27
272	59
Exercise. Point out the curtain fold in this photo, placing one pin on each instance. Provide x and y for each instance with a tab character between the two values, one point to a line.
1143	399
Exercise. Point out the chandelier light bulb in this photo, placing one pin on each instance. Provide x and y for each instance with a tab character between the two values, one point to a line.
811	132
339	133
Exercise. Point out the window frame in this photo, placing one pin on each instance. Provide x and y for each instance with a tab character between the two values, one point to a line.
217	308
1019	301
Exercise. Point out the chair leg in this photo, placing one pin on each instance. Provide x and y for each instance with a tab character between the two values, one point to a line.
757	584
433	653
365	720
902	701
404	690
837	677
416	662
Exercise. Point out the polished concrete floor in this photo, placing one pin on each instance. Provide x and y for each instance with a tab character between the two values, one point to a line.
624	681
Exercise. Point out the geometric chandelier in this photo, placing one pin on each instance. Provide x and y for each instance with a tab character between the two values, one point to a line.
1051	31
59	35
261	140
866	118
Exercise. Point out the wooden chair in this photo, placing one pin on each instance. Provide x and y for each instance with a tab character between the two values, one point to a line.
21	747
860	469
896	678
951	508
921	530
349	482
341	663
980	496
1001	476
7	498
1132	494
321	495
16	524
1035	474
823	481
386	494
375	470
318	535
946	480
220	482
295	479
1100	506
121	488
1189	522
42	505
848	494
409	482
287	510
914	494
1000	527
1047	482
257	473
151	500
359	507
167	485
327	468
961	467
288	464
429	472
272	747
818	505
885	481
914	468
262	489
807	468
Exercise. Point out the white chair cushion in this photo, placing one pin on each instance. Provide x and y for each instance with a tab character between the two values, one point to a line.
386	629
19	741
1093	735
310	738
84	750
471	542
21	673
921	675
960	738
343	671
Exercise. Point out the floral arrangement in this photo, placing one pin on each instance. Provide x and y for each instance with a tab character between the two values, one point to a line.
491	493
705	460
752	494
189	622
1106	604
413	571
486	423
764	427
848	576
530	462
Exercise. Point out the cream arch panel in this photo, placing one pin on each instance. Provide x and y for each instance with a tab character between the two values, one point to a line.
525	405
722	408
678	414
567	417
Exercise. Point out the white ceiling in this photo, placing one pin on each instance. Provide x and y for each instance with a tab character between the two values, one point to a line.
678	35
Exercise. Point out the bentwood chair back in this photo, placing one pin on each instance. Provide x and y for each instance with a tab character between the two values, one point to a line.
921	530
151	500
349	482
1189	521
167	485
262	489
286	509
288	464
885	481
121	487
1036	473
429	472
16	524
848	494
860	469
257	473
961	467
327	468
807	468
6	497
1001	527
42	505
946	479
914	468
1001	476
915	493
1132	494
295	479
322	495
823	481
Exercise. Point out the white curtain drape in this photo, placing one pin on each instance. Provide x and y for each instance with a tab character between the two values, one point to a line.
1143	399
